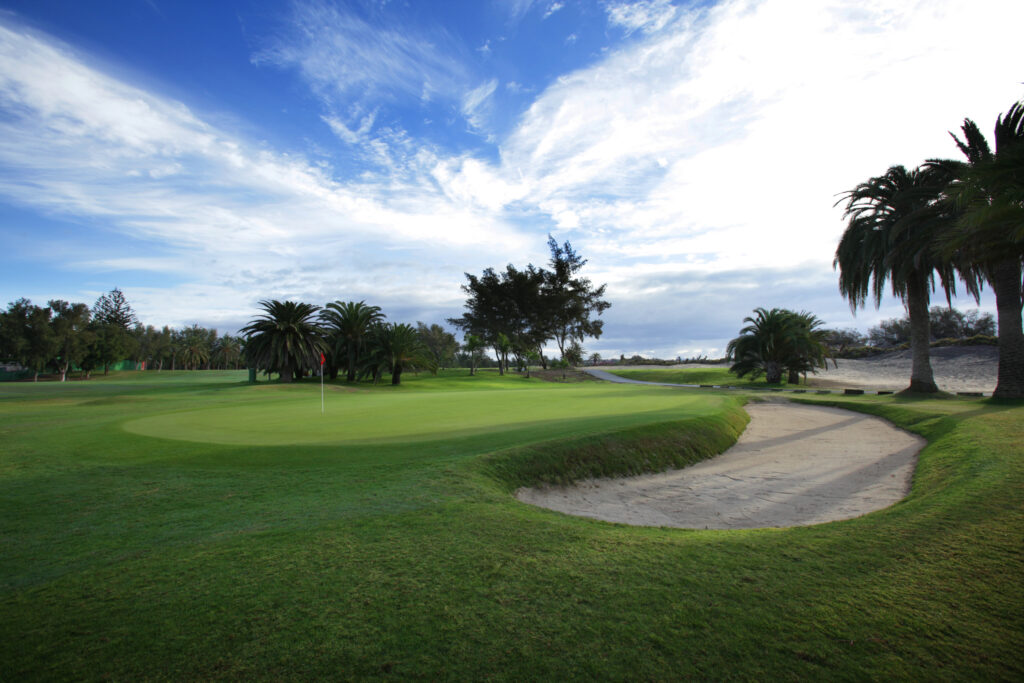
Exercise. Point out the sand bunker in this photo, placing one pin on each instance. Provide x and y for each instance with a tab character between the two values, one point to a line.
793	465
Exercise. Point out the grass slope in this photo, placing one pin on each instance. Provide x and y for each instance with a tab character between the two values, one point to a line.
690	375
335	549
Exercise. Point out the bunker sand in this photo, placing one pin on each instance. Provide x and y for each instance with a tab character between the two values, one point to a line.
794	465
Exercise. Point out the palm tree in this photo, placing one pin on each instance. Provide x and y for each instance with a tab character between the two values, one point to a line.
473	346
890	236
194	354
349	323
229	350
403	348
809	350
284	339
775	341
989	191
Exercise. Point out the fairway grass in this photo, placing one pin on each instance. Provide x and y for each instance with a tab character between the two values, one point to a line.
690	375
190	526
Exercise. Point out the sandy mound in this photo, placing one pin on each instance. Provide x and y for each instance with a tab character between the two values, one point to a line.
794	465
956	368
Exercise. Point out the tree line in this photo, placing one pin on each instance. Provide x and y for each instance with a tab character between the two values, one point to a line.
295	339
516	311
943	323
944	222
62	336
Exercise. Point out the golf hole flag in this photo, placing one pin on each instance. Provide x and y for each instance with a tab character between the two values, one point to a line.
322	359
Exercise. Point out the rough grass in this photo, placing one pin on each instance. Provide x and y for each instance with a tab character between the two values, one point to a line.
126	556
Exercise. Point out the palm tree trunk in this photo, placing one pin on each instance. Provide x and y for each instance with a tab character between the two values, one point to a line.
1005	278
285	373
922	380
396	374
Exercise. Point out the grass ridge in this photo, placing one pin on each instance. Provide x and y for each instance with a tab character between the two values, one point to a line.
631	451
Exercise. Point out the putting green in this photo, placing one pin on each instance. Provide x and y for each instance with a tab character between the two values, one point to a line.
380	416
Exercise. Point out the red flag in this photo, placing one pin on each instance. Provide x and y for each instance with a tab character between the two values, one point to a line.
322	359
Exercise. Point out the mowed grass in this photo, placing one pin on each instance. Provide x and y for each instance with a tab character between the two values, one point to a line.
689	375
385	542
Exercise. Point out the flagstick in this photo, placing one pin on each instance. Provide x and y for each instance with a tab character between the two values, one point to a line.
321	388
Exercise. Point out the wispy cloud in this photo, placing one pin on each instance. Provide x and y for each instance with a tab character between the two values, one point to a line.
76	142
358	59
647	16
476	104
695	164
552	8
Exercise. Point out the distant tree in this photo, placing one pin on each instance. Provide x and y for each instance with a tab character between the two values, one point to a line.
595	358
439	342
889	333
977	323
840	340
403	348
473	347
348	325
502	347
112	321
572	303
285	339
160	346
228	351
777	341
13	331
574	353
42	342
70	324
530	306
808	348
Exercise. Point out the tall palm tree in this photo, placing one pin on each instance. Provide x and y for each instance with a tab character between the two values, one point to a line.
284	339
349	323
890	237
989	191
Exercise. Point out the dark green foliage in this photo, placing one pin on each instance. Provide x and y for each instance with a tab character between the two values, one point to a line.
988	196
440	343
71	330
944	323
402	348
533	305
778	341
284	340
893	222
347	325
112	320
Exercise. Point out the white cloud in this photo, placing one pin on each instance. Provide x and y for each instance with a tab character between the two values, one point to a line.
346	58
647	16
552	8
76	142
696	165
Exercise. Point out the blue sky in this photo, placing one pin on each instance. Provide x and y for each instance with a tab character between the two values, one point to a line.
203	156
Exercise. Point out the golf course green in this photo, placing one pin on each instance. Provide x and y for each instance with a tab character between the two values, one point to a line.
187	525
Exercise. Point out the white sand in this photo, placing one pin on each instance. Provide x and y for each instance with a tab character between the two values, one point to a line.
956	368
793	465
